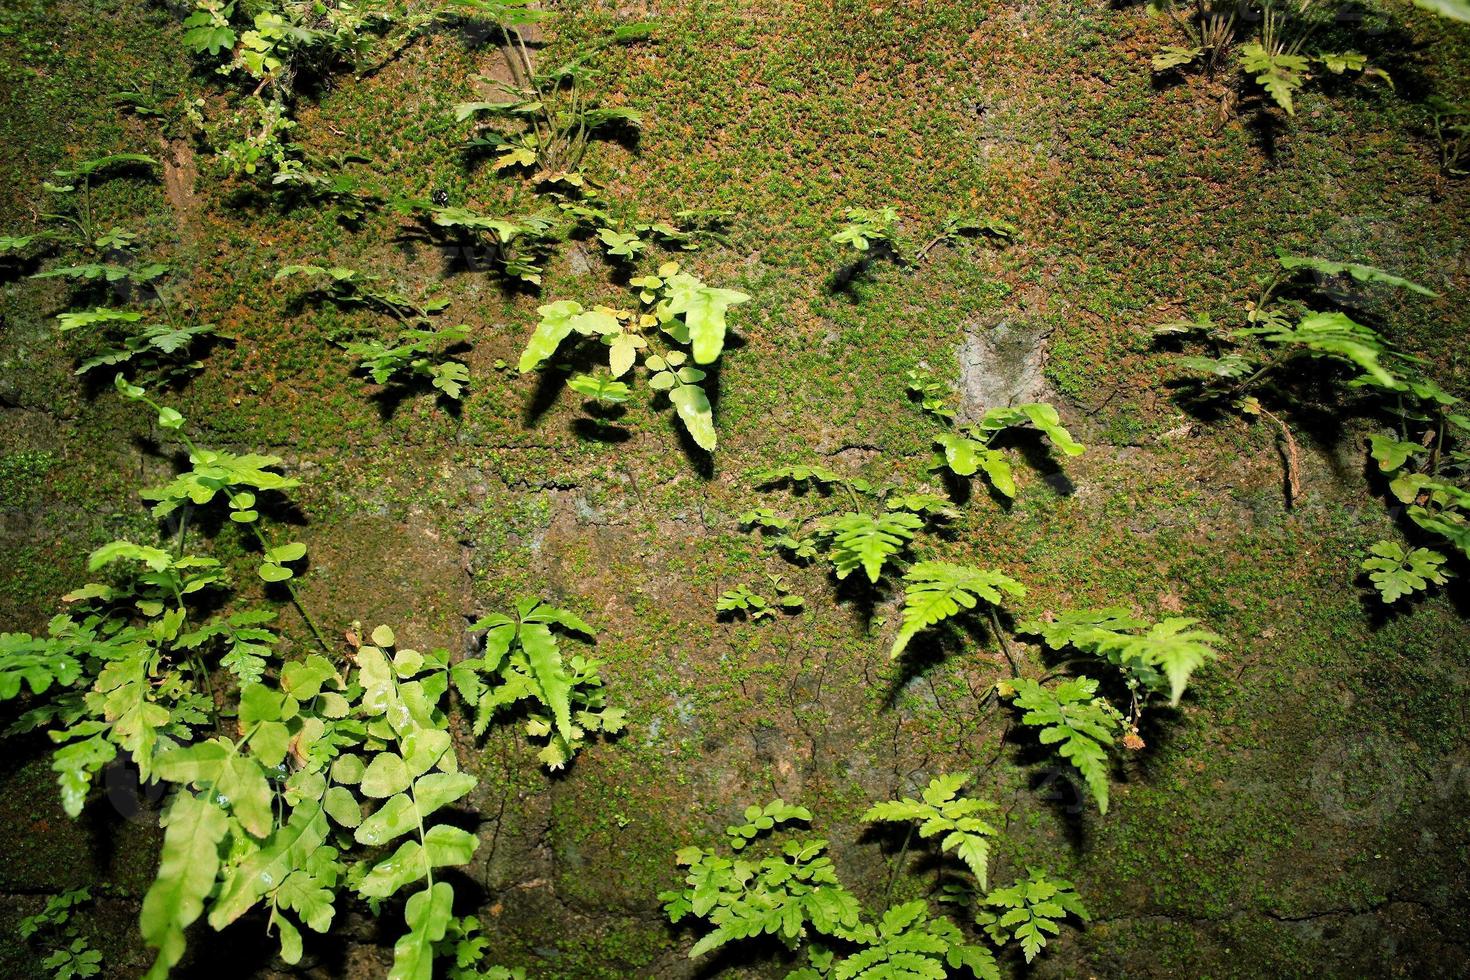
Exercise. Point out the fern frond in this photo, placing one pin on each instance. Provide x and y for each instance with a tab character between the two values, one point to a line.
1170	646
1081	725
943	811
1358	272
938	590
862	540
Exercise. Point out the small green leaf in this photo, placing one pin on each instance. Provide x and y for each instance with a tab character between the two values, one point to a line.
386	774
274	573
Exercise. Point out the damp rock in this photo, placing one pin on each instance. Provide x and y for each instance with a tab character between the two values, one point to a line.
1002	365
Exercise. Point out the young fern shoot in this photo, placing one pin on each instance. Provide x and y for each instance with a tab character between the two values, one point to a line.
937	591
523	662
687	314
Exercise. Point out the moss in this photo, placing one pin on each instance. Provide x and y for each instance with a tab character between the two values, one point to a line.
1135	204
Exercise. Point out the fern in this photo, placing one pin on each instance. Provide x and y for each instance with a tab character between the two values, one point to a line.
1453	9
1172	646
416	355
36	663
247	643
779	895
1335	335
813	474
685	310
702	308
1391	454
71	955
194	829
742	601
1084	629
1173	56
1030	910
938	590
866	541
1281	75
349	287
872	536
942	811
1396	572
906	944
1072	717
793	894
1356	271
932	394
759	820
867	227
554	118
1437	506
600	390
523	662
1163	656
968	450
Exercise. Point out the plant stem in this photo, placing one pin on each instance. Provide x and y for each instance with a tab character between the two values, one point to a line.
1434	454
903	852
1004	643
931	243
260	537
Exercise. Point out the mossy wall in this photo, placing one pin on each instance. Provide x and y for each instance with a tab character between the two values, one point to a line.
1303	813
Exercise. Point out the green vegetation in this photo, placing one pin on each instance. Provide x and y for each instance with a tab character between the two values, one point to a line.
1275	56
1132	667
873	233
795	895
523	661
1263	355
687	312
71	955
741	601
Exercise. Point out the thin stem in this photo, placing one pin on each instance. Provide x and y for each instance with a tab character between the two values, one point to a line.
511	58
1270	365
931	243
87	229
203	674
1061	668
1004	643
903	852
1434	454
260	537
1267	290
168	310
183	527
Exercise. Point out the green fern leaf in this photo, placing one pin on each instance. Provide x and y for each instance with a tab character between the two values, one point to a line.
1080	724
544	657
558	321
1359	272
1334	335
194	828
862	540
938	590
1029	910
1396	572
1453	9
703	308
1281	75
941	811
1170	646
427	913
